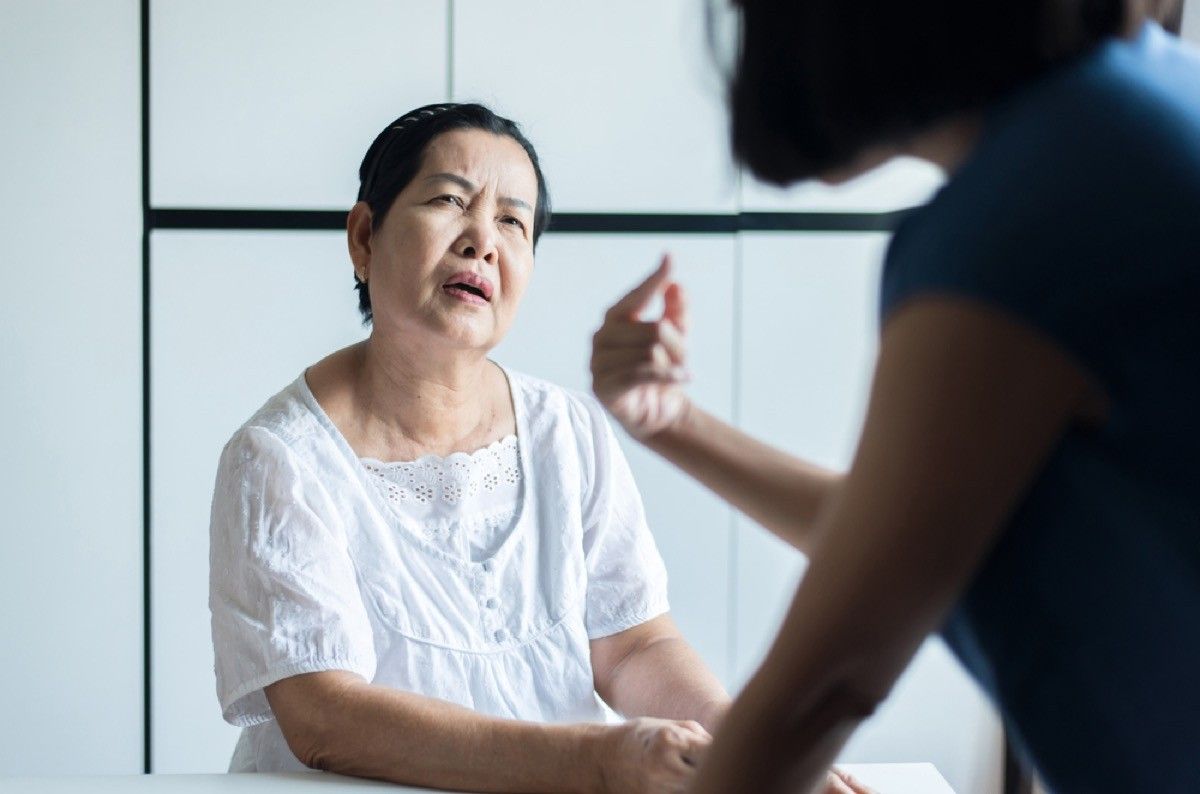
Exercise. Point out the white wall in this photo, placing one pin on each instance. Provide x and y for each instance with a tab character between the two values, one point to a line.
271	105
1191	21
71	358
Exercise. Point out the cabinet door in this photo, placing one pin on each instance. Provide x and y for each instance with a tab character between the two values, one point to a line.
808	345
70	354
274	103
235	318
1191	22
904	182
575	279
620	98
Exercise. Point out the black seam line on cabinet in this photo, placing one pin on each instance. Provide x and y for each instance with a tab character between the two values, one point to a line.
144	14
736	370
449	50
562	222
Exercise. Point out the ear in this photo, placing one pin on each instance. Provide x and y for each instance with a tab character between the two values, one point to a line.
358	239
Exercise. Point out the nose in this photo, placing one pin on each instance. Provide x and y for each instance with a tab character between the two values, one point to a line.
478	240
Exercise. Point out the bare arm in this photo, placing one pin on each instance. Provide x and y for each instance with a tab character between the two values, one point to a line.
778	491
338	722
637	373
965	408
651	671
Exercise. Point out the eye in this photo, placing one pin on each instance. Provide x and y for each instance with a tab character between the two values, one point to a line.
513	221
450	198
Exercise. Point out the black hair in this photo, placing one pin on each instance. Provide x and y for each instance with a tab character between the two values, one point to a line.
395	157
816	83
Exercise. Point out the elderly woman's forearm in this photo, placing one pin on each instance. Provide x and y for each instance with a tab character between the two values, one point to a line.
373	731
775	489
666	678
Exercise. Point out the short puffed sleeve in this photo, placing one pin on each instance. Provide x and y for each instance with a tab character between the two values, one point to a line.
626	578
282	588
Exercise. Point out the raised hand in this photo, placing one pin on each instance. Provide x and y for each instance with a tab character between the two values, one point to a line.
639	366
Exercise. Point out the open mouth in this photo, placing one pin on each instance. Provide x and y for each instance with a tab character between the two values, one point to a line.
469	286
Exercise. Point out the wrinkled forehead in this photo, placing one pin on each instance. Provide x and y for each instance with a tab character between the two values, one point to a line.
485	159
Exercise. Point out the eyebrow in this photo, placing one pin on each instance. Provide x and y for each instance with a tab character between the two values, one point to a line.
469	186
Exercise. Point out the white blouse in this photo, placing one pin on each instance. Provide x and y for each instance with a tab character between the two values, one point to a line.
477	579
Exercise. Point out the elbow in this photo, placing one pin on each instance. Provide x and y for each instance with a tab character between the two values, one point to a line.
311	712
312	746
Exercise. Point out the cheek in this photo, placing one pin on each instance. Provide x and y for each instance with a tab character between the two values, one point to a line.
516	279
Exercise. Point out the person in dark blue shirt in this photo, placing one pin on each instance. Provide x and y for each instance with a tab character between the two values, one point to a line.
1028	477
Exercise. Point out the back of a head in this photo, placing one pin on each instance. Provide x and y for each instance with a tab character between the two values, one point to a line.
818	82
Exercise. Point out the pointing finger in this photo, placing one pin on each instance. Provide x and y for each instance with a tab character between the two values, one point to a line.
640	296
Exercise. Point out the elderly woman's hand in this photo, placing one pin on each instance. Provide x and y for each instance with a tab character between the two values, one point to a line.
651	756
638	366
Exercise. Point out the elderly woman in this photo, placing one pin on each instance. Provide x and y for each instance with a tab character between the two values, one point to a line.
1027	477
426	568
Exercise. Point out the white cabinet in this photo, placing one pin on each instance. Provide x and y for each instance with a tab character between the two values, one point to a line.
274	103
807	350
235	318
620	98
575	279
903	182
70	354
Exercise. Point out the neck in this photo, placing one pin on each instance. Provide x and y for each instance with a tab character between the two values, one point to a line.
411	403
947	143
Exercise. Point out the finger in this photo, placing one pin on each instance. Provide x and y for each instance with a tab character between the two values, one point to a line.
649	341
693	742
672	340
835	785
613	365
851	783
627	333
697	728
642	375
675	306
694	756
621	358
640	296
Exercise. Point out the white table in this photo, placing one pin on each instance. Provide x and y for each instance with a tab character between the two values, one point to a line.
886	778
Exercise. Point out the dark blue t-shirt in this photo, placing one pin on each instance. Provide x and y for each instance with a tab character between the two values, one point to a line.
1078	214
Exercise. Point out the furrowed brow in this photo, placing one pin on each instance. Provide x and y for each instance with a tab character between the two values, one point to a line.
516	202
462	182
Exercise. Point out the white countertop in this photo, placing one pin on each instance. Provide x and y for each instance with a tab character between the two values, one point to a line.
886	778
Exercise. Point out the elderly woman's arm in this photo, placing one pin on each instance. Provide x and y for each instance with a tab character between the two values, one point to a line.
336	721
650	670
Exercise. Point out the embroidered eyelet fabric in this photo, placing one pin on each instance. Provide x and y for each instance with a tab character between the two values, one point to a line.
316	563
466	503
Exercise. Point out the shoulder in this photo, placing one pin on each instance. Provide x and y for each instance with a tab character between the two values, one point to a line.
1059	181
541	397
277	429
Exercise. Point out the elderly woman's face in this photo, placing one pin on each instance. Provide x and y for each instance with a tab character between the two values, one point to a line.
455	251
